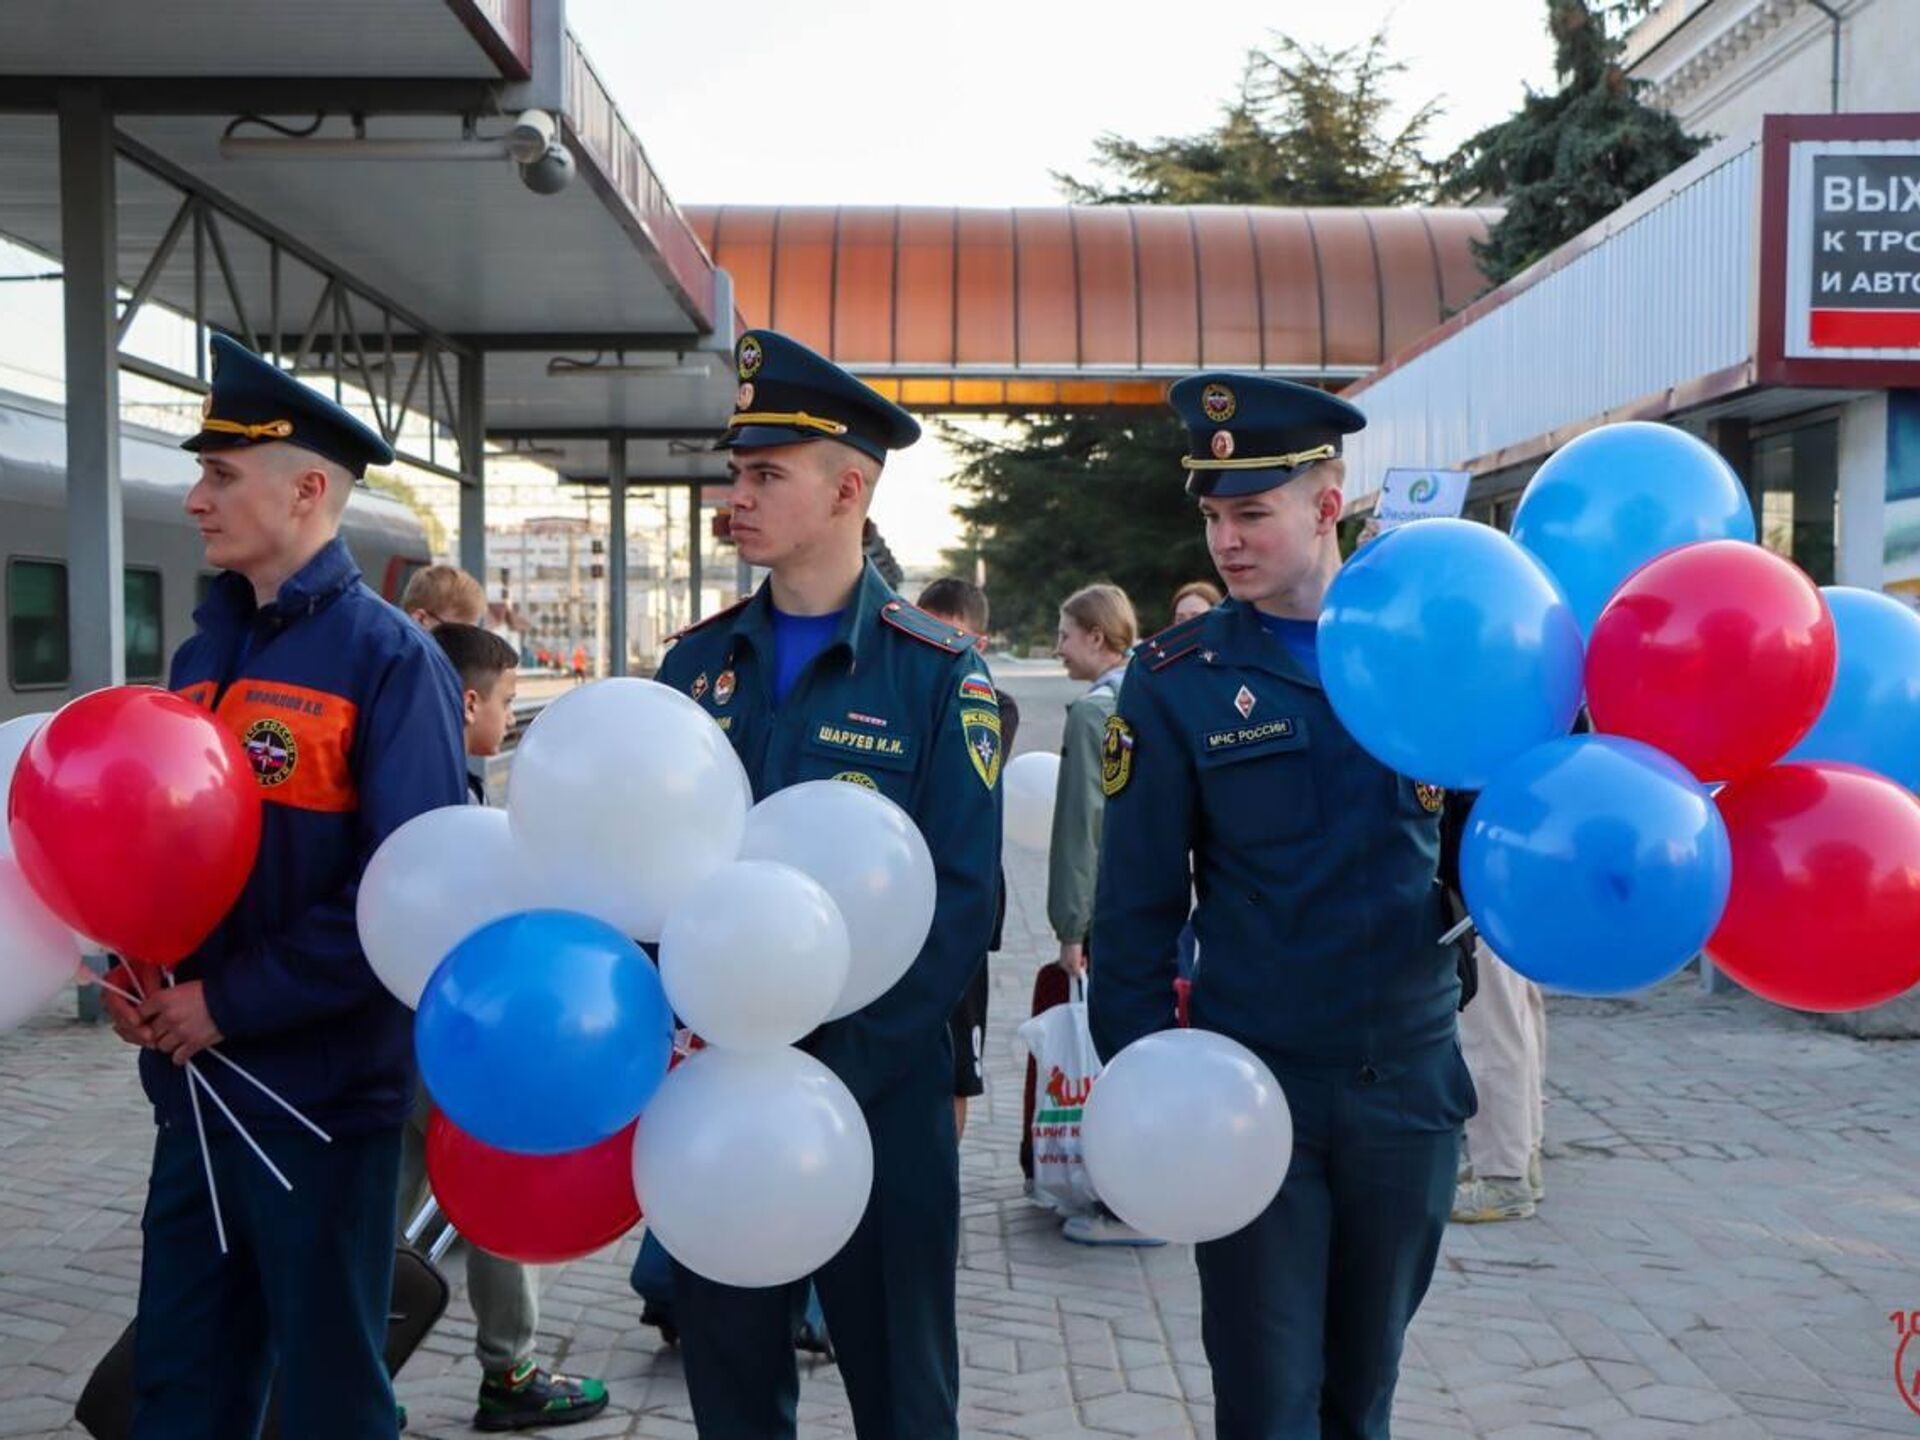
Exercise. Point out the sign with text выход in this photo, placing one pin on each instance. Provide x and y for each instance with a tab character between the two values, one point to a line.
1853	249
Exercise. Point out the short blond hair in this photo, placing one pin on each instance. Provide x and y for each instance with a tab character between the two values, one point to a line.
446	592
1107	609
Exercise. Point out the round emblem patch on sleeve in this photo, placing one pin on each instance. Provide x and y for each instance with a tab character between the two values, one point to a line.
273	751
1116	756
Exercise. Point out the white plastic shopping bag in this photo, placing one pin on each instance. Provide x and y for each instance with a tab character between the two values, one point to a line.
1063	1054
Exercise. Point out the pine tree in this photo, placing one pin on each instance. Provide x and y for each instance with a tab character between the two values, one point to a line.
1066	500
1566	160
1307	127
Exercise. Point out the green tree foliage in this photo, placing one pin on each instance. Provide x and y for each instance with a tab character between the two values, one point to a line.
1309	126
1066	500
1566	160
388	482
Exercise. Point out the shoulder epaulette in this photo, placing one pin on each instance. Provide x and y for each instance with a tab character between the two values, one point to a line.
1159	651
928	629
712	619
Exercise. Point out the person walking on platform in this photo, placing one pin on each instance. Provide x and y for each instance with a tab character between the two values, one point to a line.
1097	630
515	1390
351	717
1192	600
964	604
444	595
1503	1035
1319	920
826	674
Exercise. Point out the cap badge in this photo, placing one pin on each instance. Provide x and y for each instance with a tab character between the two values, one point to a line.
750	358
743	397
1217	403
1222	444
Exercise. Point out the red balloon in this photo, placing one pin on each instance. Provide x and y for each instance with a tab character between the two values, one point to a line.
1721	654
135	817
1825	908
537	1209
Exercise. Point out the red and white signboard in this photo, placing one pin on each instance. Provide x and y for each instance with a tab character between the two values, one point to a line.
1853	250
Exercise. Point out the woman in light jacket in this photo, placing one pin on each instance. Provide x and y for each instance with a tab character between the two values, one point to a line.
1097	630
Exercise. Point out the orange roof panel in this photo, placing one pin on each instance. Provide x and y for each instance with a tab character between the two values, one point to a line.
1109	290
1229	289
1051	307
1048	289
863	285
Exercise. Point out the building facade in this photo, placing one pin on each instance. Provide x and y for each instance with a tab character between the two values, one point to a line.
1765	296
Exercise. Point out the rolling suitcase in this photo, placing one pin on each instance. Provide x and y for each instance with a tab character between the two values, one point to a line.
419	1300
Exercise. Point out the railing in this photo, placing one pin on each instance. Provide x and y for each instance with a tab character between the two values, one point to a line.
599	126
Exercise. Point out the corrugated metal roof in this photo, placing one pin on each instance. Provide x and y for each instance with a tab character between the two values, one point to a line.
1656	298
1086	305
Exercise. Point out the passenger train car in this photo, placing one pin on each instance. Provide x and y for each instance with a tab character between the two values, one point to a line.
166	573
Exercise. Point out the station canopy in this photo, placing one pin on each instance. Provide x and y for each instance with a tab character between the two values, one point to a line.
327	181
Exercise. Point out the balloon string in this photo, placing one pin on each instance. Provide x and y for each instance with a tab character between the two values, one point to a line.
194	1077
1457	932
206	1159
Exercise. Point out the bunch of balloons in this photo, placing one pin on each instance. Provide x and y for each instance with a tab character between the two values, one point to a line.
132	823
545	1033
1745	787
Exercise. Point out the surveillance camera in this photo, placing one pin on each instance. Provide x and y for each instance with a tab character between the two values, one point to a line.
532	133
550	174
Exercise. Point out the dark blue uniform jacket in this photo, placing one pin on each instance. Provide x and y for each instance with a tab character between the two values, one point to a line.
899	702
350	716
1319	912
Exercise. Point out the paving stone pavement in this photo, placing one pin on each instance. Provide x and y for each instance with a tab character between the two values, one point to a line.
1733	1207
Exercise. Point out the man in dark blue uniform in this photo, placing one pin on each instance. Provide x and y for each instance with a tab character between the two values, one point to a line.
1318	921
351	718
826	674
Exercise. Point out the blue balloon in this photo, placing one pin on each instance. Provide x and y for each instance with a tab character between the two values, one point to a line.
1447	652
543	1032
1872	717
1612	499
1596	865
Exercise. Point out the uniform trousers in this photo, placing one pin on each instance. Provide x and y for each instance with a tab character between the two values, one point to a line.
299	1301
1304	1311
888	1296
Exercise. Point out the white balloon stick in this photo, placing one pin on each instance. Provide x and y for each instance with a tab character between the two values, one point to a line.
194	1077
206	1159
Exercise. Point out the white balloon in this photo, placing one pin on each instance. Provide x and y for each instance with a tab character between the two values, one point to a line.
753	1167
1187	1135
864	851
37	955
1030	781
753	956
625	794
432	883
14	735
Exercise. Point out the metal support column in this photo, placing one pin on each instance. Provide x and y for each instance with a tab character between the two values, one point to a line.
696	571
89	245
472	435
617	553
